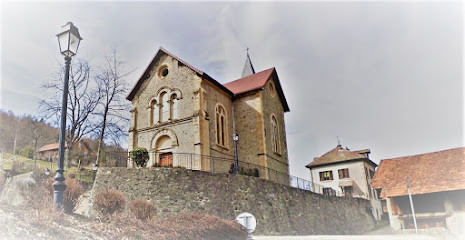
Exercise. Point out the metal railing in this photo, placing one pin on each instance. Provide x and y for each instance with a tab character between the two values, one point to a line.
115	159
220	165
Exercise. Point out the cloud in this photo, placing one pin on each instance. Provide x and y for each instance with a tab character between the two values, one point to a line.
380	75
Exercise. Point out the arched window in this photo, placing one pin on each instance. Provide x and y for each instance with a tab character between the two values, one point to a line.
164	107
153	112
174	106
221	126
275	135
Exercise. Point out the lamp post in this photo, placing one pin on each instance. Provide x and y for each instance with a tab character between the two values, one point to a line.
236	158
68	40
94	169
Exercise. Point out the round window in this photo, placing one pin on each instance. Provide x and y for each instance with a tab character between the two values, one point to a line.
163	71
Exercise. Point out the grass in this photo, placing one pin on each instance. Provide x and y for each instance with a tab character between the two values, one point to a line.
85	174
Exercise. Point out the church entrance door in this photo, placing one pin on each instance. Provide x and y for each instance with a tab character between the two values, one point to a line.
166	159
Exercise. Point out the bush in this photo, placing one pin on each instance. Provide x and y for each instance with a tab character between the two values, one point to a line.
140	156
142	209
72	192
47	184
203	226
26	152
109	201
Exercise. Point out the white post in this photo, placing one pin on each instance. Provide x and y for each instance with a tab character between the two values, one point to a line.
411	205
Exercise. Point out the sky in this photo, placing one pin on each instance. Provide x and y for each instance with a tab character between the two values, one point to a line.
383	75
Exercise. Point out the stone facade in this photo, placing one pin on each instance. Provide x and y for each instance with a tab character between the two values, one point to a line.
279	209
175	116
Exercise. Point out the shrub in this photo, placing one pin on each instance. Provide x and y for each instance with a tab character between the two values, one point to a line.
139	156
26	152
72	175
142	209
203	226
72	192
109	201
47	184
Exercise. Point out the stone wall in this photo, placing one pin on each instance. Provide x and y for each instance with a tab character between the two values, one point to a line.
272	106
279	209
247	112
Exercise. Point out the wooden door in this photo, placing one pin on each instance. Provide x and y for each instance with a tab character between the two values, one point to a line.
166	159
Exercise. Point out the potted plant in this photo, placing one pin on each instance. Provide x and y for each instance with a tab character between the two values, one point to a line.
140	156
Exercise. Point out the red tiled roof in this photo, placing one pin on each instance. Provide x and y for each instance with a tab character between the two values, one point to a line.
240	86
250	83
337	155
258	81
430	172
48	147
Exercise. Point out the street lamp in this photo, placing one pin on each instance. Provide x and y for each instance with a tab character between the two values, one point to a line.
236	159
68	40
94	169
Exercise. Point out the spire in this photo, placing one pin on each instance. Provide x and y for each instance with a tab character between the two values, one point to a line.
248	68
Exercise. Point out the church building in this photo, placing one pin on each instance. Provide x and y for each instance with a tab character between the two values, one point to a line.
184	117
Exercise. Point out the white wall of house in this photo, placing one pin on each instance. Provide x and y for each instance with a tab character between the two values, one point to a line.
361	183
356	174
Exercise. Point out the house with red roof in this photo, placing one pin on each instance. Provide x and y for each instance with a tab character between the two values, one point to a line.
184	117
342	172
50	151
437	185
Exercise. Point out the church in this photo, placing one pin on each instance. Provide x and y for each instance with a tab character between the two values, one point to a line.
185	118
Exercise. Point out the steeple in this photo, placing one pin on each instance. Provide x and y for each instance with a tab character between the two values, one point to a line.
248	68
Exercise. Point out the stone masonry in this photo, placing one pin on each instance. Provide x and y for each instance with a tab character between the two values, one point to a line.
191	126
279	209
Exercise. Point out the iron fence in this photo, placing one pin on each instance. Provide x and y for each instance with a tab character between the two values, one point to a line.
226	165
217	164
115	159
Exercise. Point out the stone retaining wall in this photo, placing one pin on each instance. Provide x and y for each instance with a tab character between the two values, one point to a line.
279	209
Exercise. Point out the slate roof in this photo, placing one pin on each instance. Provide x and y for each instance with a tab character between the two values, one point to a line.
248	67
428	173
338	155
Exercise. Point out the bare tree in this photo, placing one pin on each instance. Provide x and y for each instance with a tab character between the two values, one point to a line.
83	98
113	107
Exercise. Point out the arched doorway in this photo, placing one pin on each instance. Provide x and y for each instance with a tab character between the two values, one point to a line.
164	152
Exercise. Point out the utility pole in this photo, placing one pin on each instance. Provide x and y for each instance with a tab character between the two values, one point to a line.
411	204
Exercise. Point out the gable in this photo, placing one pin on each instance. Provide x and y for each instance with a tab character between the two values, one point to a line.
256	82
161	52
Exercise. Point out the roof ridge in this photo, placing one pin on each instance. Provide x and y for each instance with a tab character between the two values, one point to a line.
181	60
415	155
261	72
